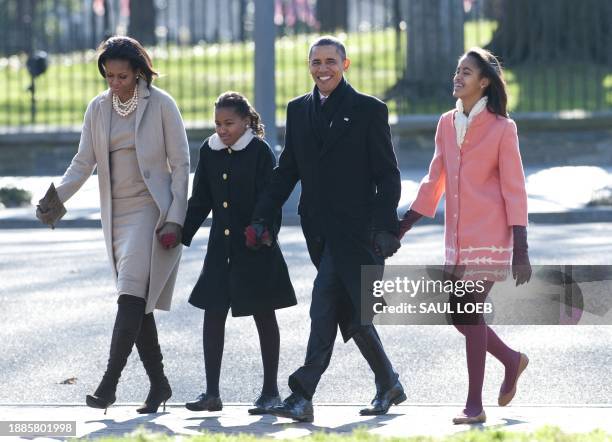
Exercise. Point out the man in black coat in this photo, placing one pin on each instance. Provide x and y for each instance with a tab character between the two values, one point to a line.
338	144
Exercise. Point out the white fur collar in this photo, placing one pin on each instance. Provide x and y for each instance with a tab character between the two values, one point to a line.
215	143
462	122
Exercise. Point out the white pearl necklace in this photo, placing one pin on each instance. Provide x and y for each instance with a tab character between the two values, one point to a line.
124	109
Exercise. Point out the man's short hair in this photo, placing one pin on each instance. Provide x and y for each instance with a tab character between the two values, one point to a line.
328	40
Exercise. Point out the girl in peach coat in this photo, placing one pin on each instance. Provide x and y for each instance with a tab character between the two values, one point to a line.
478	165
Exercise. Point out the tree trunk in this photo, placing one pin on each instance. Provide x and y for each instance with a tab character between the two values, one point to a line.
435	42
243	16
332	15
553	30
142	21
26	11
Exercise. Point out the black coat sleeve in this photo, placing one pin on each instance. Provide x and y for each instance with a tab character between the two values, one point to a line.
385	172
282	180
200	203
265	170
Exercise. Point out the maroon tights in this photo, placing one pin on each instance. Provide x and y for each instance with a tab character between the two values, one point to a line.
480	339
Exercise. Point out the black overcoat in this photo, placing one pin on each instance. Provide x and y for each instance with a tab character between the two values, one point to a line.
228	183
350	186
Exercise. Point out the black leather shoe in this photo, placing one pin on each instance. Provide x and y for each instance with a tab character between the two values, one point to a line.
383	400
295	407
205	402
264	403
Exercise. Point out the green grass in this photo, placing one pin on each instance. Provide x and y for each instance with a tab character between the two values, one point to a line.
546	434
195	76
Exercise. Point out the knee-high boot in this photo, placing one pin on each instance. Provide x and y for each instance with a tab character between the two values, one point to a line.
150	354
130	312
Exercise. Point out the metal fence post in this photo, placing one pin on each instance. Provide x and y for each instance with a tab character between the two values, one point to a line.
265	96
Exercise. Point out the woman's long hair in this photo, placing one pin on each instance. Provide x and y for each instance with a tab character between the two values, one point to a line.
490	67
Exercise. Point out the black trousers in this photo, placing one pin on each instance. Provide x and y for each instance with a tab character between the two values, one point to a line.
328	298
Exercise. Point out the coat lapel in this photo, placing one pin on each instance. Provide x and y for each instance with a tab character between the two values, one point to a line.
341	122
143	99
313	120
106	107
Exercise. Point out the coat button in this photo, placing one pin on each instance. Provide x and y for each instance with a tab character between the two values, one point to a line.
225	176
225	204
229	150
228	260
146	174
227	232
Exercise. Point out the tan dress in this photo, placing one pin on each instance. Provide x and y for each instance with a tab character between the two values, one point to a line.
134	212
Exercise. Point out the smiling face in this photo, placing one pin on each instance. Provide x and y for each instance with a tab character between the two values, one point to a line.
327	67
229	125
121	78
468	85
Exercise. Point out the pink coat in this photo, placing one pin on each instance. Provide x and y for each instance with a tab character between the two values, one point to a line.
485	189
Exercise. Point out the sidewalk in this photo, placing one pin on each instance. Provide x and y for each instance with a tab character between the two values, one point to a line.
403	420
557	195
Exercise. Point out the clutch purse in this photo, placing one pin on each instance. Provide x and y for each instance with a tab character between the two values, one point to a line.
50	208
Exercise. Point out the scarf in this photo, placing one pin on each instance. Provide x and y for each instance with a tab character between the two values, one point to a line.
462	122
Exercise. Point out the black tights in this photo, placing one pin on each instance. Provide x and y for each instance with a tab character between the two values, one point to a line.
214	337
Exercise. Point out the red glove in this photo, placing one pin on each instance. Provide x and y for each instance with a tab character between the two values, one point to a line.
168	240
266	238
257	235
251	237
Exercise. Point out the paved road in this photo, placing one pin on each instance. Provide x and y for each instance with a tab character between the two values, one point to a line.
57	306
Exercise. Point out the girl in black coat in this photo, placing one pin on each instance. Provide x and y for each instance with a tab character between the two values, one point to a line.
234	166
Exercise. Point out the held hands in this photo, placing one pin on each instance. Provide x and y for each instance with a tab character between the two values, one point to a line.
257	234
169	235
385	243
408	220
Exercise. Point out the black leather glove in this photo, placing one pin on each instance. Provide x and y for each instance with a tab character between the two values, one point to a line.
408	220
521	267
385	243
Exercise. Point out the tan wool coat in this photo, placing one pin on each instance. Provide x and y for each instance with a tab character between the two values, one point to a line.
162	151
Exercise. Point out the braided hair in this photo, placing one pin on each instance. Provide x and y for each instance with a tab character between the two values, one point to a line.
239	104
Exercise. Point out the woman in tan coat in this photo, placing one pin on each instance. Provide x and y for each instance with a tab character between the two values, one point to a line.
134	135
